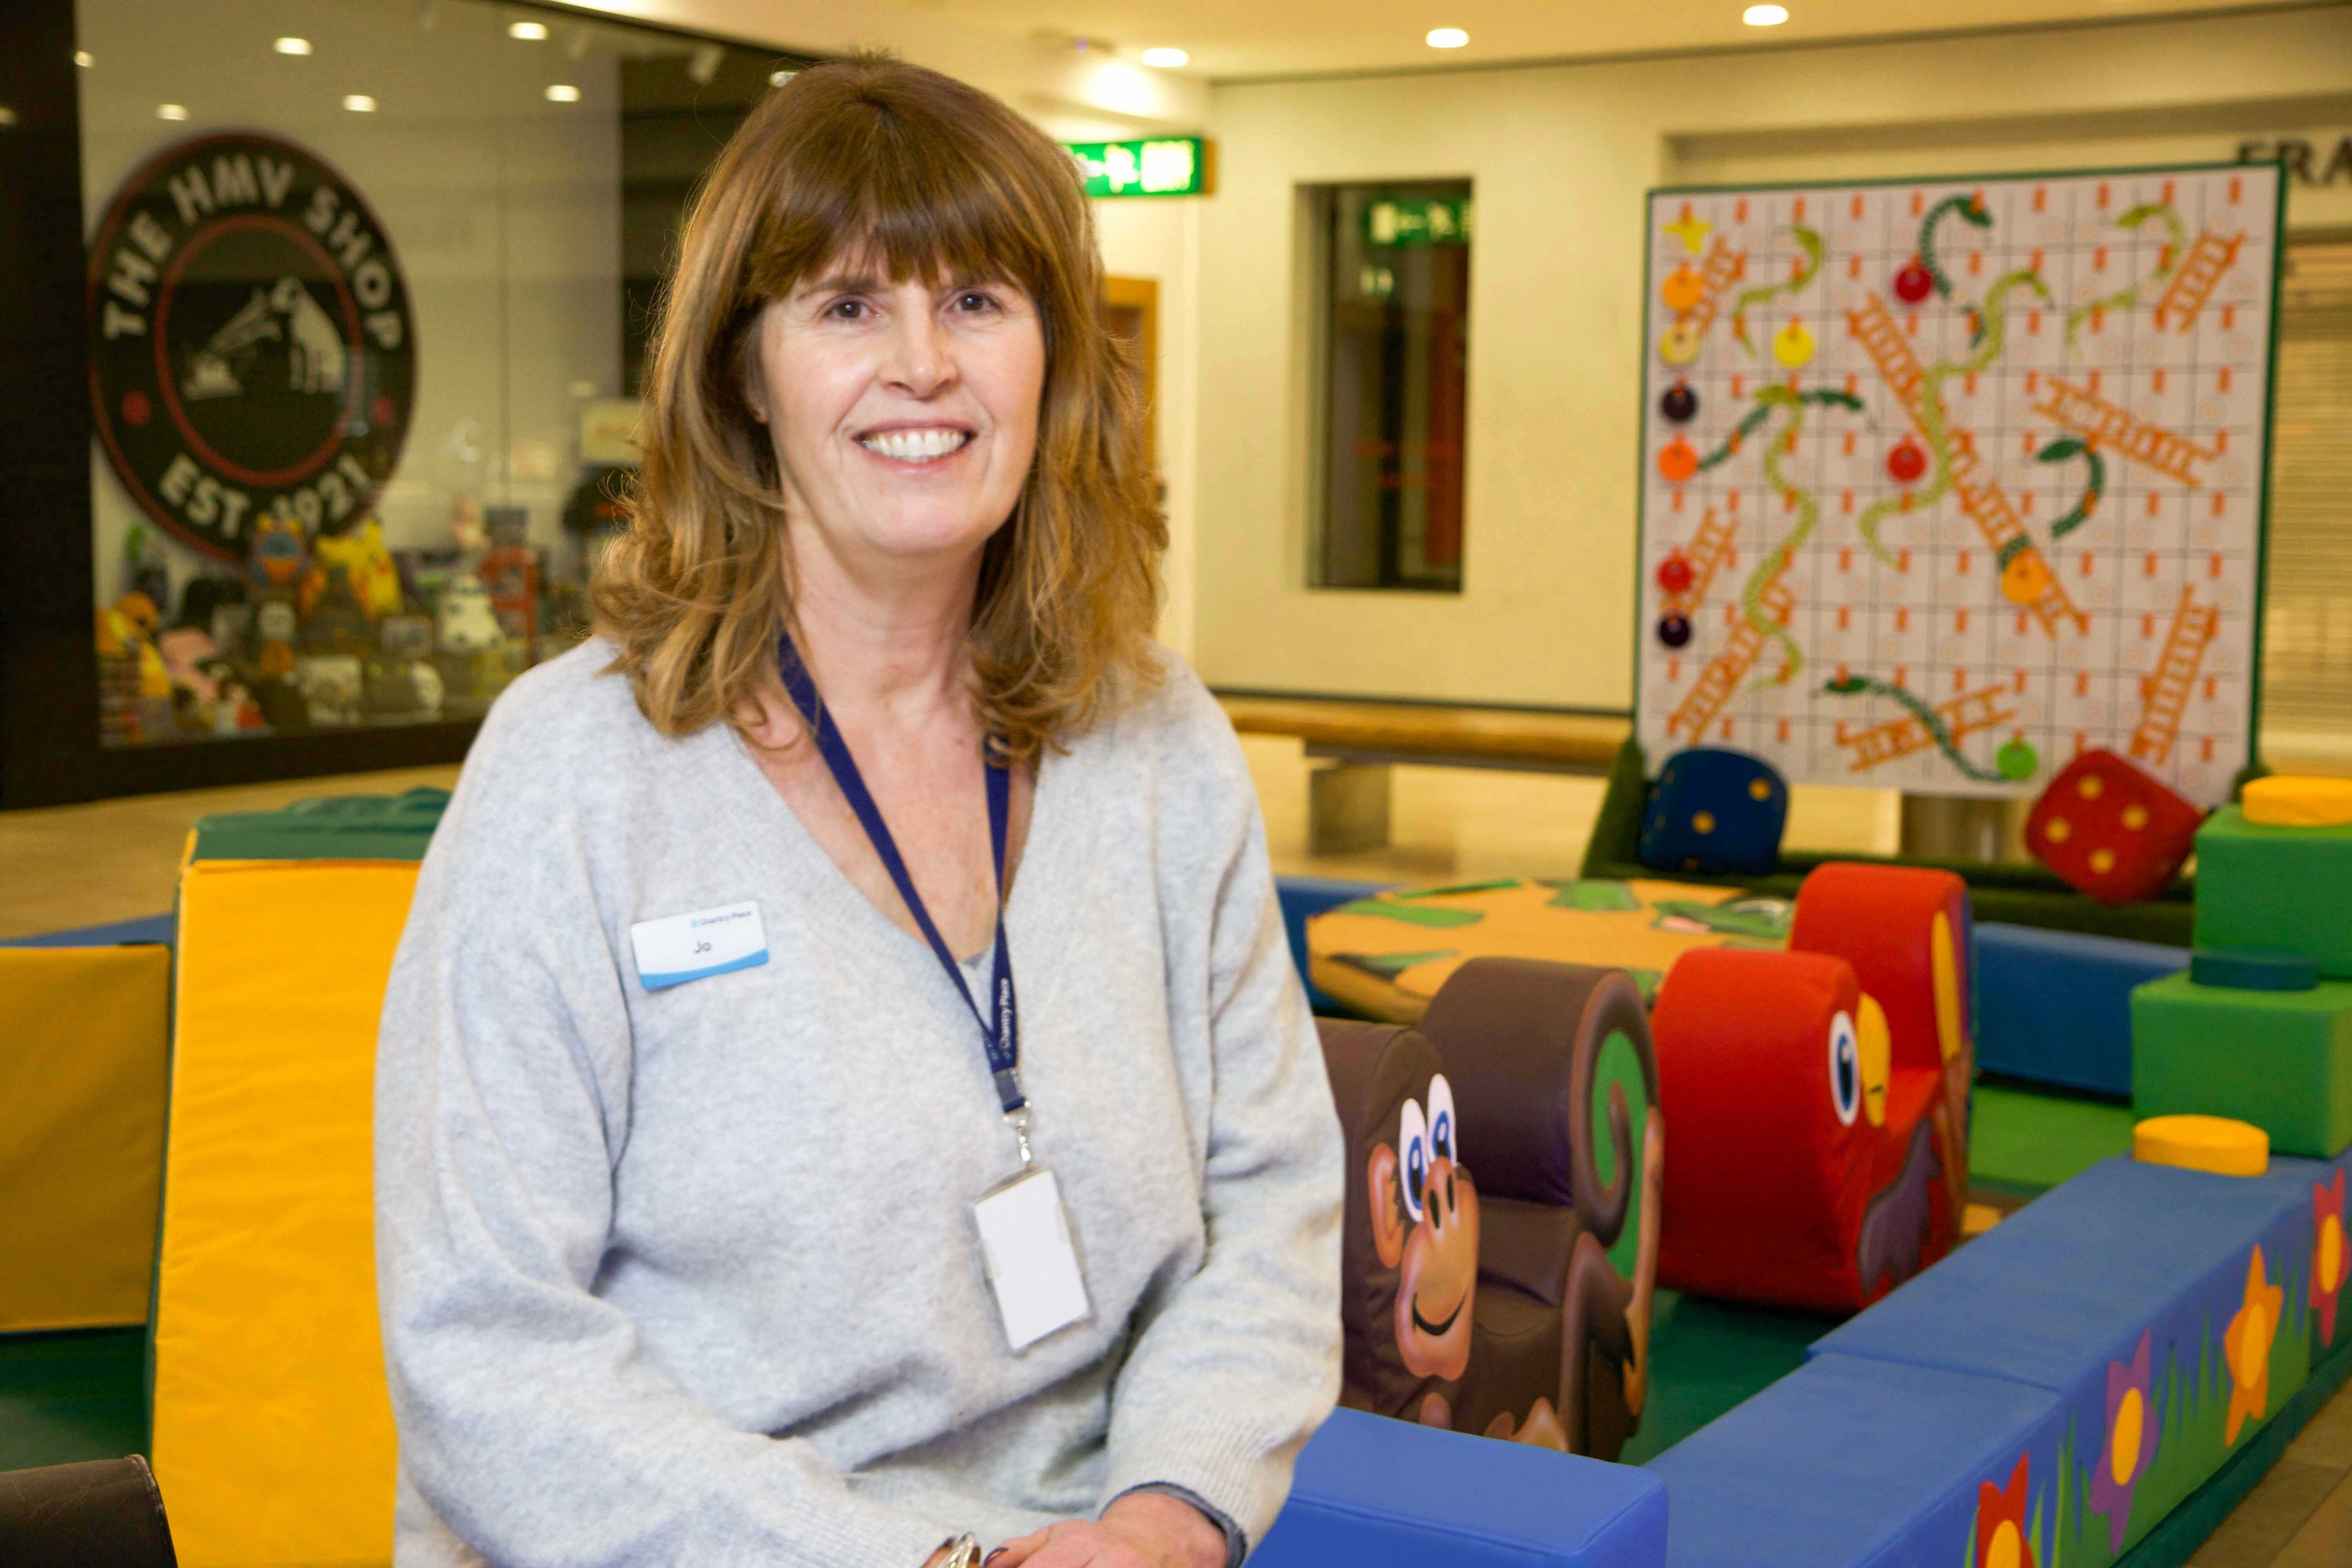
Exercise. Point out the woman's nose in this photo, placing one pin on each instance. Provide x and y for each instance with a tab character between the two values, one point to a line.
919	359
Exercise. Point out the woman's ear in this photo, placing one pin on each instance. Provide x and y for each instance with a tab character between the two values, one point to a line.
746	364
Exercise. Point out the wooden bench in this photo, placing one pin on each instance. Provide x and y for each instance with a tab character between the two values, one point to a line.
1356	742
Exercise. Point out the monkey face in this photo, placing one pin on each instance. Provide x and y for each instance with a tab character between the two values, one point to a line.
1425	1225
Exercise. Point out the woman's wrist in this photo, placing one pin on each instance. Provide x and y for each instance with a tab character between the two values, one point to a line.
1181	1532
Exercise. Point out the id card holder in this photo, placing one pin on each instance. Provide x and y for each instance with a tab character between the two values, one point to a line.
1031	1257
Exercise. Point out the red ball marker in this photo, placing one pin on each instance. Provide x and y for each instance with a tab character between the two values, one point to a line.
1914	283
1906	462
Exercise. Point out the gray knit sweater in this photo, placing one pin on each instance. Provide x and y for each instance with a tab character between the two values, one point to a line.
687	1276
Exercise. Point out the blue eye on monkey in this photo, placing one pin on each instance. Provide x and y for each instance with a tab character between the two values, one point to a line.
1412	1147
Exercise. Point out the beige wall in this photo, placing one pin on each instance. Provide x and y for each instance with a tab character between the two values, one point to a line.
1560	157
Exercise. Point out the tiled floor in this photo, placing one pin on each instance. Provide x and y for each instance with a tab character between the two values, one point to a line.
82	864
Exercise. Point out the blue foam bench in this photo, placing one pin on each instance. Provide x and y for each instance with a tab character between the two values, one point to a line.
1302	899
2129	1277
163	928
1851	1462
2054	1006
1373	1492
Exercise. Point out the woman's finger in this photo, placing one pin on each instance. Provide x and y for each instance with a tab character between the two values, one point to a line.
1015	1552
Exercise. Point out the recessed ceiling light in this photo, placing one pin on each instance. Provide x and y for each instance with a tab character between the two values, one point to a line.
1765	15
1167	59
84	58
359	103
530	31
778	78
292	46
171	111
1446	38
8	115
563	92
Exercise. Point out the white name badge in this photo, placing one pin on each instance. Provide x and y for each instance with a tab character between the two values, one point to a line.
692	947
1032	1262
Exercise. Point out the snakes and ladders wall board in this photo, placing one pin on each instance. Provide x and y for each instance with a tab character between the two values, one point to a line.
1944	481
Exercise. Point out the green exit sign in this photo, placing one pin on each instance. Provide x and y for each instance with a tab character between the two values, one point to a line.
1417	220
1157	166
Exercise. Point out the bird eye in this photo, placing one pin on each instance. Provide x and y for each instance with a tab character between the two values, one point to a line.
1412	1156
1845	1068
1443	1134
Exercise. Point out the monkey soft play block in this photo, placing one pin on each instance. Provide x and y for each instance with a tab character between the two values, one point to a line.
2280	1059
1371	1490
2054	1006
1715	810
2112	831
1851	1462
2285	889
2133	1291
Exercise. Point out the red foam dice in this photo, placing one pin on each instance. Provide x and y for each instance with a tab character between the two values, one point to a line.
2110	830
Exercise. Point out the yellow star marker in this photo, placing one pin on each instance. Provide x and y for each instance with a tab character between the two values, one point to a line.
1691	231
2246	1348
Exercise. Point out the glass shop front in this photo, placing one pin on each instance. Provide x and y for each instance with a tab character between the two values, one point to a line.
369	287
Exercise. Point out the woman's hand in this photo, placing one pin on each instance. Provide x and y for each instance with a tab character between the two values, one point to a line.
1141	1530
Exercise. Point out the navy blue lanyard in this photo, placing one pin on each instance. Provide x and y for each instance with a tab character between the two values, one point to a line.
1001	1036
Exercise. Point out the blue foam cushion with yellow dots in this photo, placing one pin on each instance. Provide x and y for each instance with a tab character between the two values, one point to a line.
1715	810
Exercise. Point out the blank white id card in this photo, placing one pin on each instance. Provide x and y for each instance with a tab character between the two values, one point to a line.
1029	1257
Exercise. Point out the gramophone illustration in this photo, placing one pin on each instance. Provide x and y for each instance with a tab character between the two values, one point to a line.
315	351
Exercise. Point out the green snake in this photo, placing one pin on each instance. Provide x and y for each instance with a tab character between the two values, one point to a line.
2094	482
1807	241
1776	560
1971	211
2124	299
1854	685
1992	328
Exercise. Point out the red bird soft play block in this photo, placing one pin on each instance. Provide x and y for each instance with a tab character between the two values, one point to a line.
2110	830
1817	1099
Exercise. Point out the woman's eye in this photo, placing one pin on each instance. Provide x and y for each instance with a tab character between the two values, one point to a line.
974	300
846	310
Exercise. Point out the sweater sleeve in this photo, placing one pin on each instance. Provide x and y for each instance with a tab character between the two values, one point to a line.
1241	1363
532	1419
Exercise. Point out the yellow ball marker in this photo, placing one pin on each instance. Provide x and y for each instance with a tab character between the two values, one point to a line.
2288	801
2214	1143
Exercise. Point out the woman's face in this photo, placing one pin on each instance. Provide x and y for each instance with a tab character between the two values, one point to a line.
904	416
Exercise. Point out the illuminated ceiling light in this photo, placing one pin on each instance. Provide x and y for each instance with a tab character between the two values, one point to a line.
1446	38
1765	15
84	58
292	46
359	103
171	111
563	92
531	32
8	115
778	78
1166	60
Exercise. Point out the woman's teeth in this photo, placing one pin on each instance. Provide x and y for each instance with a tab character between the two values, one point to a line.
915	446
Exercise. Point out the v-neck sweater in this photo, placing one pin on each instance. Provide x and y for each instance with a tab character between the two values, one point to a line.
688	1276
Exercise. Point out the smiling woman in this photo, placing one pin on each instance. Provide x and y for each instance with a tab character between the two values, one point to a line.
731	1204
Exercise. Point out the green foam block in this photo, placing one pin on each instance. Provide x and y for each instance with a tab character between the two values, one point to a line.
2280	1059
2285	889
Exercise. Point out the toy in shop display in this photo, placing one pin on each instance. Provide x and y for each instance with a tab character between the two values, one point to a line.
134	687
278	551
2112	832
510	573
333	619
1515	1303
234	710
399	678
1834	1078
144	567
1715	810
204	598
471	649
368	569
332	685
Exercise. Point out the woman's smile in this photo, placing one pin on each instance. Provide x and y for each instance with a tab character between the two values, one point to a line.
918	444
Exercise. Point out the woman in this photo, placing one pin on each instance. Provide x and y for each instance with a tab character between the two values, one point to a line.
704	1085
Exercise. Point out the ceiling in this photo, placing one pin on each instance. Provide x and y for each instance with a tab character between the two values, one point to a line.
1243	39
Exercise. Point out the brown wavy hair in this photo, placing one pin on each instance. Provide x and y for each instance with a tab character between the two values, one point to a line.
872	158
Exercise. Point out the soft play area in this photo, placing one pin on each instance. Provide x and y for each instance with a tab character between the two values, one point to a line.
1724	1205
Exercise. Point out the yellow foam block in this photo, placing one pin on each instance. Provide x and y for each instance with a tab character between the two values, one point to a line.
82	1047
2214	1143
2285	801
273	1439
